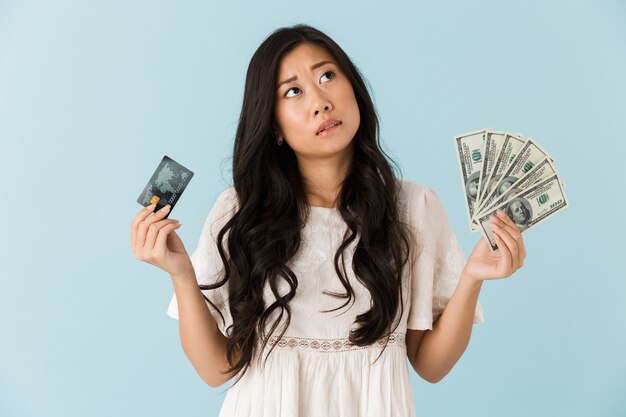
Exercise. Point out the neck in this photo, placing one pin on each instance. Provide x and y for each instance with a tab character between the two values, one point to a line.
323	179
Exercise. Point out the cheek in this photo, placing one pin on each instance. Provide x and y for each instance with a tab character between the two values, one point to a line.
288	117
349	102
350	97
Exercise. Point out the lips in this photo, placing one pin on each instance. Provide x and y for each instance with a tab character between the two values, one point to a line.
326	124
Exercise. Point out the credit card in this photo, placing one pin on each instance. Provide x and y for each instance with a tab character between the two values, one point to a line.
166	185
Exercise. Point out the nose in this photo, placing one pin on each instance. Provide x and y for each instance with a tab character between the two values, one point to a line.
321	101
326	108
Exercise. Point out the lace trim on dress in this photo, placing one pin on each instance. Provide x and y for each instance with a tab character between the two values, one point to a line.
330	345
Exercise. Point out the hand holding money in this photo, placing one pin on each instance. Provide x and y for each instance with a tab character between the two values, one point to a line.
504	171
485	263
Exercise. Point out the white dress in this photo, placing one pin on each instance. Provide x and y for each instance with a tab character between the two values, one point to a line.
314	370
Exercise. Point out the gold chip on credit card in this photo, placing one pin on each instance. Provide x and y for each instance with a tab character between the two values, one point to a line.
166	185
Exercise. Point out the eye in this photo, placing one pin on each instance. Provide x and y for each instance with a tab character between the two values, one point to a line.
329	72
296	88
293	88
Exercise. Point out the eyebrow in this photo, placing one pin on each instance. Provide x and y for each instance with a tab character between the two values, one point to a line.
314	66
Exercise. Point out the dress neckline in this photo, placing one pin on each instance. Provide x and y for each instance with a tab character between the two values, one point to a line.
322	208
319	212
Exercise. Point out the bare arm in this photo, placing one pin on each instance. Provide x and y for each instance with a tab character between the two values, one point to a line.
203	343
434	353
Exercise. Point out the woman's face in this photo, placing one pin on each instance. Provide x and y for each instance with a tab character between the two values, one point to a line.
318	94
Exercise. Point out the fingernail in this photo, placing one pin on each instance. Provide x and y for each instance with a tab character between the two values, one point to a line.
151	207
166	208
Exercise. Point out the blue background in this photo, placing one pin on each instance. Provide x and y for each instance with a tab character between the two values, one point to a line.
93	94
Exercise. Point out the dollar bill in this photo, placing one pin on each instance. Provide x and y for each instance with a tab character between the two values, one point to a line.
493	145
528	156
539	172
469	150
530	207
511	146
494	142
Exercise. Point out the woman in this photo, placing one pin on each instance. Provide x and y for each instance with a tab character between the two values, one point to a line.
316	215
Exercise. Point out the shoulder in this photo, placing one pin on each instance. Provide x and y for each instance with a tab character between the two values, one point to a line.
229	194
224	207
417	197
421	208
427	217
226	201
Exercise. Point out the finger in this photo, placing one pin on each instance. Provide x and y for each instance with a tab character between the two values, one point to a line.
511	246
508	236
507	224
506	253
160	246
142	229
134	224
517	235
506	219
153	233
522	249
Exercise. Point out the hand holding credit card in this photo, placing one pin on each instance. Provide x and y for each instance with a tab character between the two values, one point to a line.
166	185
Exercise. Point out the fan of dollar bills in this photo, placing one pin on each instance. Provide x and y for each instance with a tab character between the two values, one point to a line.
504	171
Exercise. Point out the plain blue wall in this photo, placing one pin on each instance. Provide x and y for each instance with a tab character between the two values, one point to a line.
93	94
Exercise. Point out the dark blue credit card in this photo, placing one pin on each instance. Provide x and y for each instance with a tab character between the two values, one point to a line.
166	185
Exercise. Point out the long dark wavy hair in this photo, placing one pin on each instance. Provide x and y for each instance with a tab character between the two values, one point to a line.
264	233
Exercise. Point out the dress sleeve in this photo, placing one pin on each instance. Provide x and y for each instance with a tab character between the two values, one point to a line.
207	262
437	262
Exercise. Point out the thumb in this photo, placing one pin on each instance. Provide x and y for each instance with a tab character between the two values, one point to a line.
175	243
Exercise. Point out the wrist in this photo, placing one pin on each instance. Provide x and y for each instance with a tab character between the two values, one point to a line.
471	280
184	277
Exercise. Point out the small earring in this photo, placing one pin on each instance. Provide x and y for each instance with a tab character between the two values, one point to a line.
280	141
